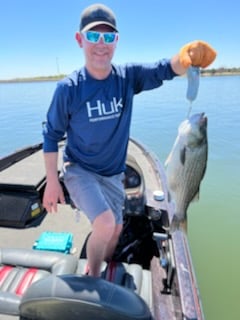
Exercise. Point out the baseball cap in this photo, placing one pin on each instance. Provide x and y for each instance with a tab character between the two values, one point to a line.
95	15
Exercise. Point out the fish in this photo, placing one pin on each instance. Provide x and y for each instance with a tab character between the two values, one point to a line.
186	166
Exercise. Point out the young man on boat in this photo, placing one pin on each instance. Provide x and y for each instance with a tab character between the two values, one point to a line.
93	107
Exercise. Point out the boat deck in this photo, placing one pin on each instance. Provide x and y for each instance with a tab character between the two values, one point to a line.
31	172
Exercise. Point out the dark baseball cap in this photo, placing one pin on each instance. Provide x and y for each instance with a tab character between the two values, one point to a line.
95	15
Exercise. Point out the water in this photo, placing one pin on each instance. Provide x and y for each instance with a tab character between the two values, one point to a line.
215	219
22	110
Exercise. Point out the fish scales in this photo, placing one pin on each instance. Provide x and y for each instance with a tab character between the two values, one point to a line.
185	192
186	166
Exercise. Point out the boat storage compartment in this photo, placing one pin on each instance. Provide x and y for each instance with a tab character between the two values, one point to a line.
21	188
19	208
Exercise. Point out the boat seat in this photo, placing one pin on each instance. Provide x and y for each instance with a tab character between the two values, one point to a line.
20	268
130	276
81	297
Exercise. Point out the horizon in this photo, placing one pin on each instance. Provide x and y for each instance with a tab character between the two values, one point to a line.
53	77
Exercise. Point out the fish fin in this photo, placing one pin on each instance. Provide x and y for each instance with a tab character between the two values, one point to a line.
171	152
178	224
196	197
183	155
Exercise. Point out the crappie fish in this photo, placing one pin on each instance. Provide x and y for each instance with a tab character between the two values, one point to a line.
186	166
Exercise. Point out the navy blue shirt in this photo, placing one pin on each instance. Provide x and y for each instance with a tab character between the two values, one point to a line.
96	114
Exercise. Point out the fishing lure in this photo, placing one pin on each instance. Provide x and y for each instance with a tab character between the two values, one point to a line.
193	76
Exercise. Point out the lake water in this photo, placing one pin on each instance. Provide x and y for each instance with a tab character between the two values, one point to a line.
214	220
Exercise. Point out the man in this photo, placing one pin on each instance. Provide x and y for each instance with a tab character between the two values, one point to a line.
93	107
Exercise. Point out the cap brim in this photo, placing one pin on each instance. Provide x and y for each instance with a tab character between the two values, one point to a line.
97	23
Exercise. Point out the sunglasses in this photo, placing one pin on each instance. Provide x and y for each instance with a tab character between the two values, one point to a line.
95	36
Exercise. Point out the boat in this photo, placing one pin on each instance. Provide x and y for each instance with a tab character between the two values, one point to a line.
43	256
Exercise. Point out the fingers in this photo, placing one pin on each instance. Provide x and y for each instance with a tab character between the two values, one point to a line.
52	194
197	53
50	202
50	206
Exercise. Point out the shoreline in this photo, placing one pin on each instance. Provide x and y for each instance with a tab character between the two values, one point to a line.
34	79
207	73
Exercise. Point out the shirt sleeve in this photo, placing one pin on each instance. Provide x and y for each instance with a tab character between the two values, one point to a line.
150	75
57	119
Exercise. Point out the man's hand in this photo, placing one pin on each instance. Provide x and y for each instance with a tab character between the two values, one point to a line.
197	53
52	195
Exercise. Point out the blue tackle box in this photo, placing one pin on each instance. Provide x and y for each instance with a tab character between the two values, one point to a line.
54	241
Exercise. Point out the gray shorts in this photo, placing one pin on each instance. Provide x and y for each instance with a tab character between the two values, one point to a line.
93	193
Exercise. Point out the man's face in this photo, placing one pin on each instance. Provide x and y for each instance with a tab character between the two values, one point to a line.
98	55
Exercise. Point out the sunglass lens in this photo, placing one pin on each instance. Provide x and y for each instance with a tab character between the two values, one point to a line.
109	37
93	36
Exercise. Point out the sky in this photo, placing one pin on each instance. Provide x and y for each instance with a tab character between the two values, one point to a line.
37	38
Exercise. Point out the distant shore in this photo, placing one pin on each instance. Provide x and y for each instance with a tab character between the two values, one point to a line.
208	73
34	79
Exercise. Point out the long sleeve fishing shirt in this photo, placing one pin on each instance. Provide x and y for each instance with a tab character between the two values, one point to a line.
95	114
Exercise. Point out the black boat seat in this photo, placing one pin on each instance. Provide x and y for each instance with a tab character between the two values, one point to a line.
130	276
20	268
74	297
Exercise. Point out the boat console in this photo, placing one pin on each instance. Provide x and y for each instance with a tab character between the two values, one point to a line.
134	188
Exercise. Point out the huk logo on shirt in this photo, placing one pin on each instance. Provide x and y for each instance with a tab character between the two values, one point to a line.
102	111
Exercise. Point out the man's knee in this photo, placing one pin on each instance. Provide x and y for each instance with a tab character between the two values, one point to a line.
104	225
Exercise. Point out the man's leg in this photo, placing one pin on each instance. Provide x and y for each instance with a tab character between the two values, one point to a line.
113	242
98	245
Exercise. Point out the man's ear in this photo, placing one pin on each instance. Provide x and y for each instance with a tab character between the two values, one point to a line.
78	37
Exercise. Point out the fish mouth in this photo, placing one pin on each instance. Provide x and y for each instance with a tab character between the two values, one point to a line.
200	119
203	122
203	119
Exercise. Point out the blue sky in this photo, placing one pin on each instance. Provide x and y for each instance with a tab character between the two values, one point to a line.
37	37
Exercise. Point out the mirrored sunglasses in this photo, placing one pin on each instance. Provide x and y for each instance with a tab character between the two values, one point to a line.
95	36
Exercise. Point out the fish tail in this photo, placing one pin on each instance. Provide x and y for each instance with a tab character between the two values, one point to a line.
178	223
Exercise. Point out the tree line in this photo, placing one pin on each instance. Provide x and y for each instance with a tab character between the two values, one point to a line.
220	71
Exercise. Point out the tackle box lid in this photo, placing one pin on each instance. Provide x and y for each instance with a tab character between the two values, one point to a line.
54	241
